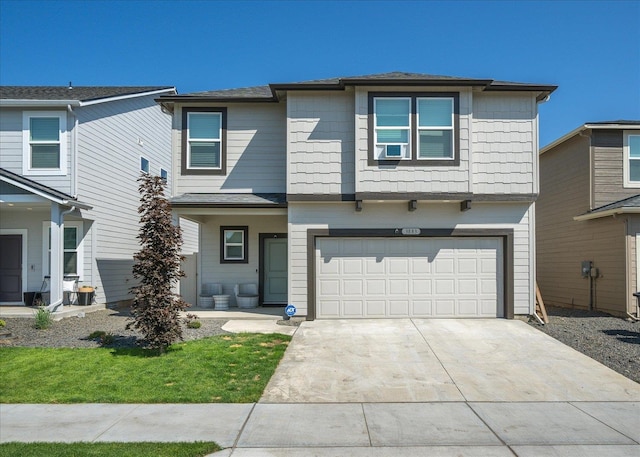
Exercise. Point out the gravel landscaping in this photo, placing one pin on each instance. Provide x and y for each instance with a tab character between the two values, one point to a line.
612	341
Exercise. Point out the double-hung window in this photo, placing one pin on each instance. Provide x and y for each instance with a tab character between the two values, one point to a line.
233	245
414	128
631	146
204	141
44	143
72	248
392	127
435	128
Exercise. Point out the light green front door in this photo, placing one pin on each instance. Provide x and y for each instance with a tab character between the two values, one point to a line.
275	270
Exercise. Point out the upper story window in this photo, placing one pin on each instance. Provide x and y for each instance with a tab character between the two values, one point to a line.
417	129
144	165
163	174
204	146
631	147
44	143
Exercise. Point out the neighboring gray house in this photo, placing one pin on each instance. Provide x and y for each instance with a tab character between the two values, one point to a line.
388	195
70	158
589	211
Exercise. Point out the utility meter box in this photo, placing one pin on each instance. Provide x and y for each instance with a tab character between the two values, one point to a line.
586	268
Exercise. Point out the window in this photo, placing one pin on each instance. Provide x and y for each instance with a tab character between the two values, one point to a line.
204	141
44	143
631	146
72	245
233	245
393	127
435	128
414	129
144	165
163	174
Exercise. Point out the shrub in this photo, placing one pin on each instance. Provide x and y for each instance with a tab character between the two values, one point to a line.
2	324
194	324
103	337
44	319
156	309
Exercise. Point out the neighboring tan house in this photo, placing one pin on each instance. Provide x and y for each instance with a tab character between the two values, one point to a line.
588	218
388	195
70	158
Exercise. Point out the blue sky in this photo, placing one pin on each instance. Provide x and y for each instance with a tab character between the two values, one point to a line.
591	49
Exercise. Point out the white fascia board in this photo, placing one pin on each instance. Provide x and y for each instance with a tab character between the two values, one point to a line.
47	196
563	138
35	103
583	127
124	97
611	212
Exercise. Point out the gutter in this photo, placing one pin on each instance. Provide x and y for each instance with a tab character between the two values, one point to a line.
74	154
610	212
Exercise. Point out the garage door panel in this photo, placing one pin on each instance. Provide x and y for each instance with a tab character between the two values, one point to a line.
405	277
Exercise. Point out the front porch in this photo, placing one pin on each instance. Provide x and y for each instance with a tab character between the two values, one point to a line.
61	313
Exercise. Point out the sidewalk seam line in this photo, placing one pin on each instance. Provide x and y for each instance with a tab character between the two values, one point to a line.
366	424
244	424
602	422
116	422
487	425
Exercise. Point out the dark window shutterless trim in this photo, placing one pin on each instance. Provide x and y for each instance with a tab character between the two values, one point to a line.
507	256
245	244
185	170
414	161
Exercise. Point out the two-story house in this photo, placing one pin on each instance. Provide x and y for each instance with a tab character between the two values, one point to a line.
70	158
588	223
387	195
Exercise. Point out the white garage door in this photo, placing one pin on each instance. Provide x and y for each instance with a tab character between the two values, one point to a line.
408	277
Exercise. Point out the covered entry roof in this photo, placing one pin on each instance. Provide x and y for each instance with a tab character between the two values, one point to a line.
29	186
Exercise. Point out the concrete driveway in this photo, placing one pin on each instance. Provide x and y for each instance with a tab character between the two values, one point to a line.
437	360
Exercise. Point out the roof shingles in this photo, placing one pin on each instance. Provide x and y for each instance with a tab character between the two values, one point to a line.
80	93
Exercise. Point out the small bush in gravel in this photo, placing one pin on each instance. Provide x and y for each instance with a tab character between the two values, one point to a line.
2	323
102	337
44	319
194	324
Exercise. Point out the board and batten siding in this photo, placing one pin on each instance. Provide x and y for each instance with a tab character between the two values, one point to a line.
111	139
633	229
305	216
408	179
504	143
608	168
320	142
229	274
256	152
11	147
562	243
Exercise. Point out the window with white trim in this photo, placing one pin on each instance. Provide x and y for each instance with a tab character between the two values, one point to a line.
72	248
392	120
44	142
414	129
233	244
631	148
144	165
204	141
164	175
435	128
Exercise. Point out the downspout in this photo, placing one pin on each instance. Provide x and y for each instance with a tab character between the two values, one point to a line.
74	154
53	307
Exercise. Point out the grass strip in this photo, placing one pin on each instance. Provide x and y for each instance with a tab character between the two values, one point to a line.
197	449
219	369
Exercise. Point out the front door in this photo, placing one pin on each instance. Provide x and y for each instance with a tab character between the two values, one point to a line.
10	268
275	271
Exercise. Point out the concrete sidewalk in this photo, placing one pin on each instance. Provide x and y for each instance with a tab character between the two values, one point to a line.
354	429
387	388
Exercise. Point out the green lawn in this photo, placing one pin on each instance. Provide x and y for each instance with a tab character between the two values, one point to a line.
108	449
220	369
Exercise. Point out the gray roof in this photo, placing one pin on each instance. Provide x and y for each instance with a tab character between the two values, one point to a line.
631	202
270	92
230	200
80	93
41	188
618	122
